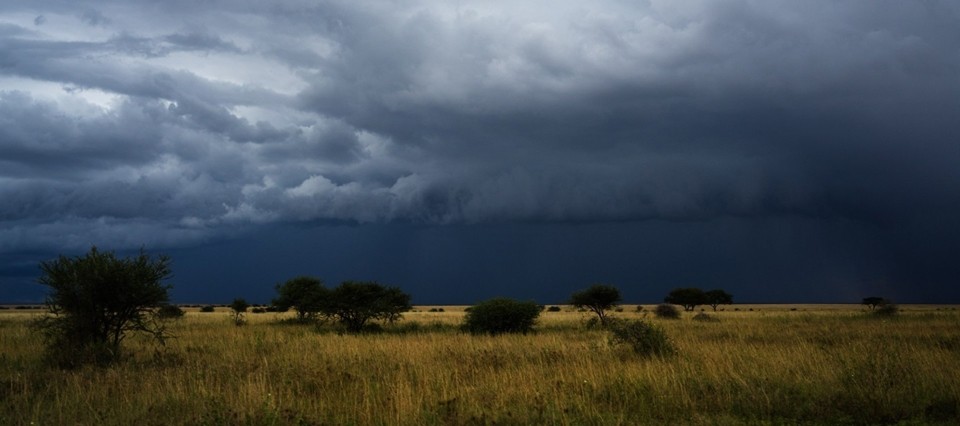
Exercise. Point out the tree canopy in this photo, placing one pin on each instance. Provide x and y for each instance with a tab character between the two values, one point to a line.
718	297
354	303
598	299
874	301
304	294
688	297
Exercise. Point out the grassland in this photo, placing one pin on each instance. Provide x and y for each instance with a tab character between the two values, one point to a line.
771	365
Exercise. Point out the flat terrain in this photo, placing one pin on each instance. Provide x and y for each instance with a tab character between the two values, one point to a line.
759	364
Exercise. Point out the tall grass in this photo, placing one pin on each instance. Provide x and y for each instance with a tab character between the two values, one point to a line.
838	366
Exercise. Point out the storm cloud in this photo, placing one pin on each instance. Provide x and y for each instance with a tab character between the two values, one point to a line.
180	123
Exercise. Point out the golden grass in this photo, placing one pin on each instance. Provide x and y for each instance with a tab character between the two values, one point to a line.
769	366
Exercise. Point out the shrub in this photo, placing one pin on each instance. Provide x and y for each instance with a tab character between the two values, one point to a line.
888	309
666	311
644	338
703	316
170	312
238	308
639	308
501	315
258	310
207	308
553	309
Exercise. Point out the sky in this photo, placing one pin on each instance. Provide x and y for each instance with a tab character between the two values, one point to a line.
784	151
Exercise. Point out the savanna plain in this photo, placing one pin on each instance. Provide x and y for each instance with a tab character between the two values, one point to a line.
771	364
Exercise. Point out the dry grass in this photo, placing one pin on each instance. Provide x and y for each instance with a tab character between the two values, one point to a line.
772	365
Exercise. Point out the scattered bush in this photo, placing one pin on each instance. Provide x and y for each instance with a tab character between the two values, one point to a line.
703	316
207	308
170	312
888	309
258	310
435	310
238	308
666	311
639	308
553	309
644	338
501	315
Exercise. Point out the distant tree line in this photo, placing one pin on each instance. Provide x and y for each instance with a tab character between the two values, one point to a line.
97	299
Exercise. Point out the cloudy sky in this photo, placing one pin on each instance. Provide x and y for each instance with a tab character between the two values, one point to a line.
786	151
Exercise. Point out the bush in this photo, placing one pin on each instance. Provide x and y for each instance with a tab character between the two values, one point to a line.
258	310
553	309
207	308
170	312
501	315
703	316
644	338
666	311
96	299
888	309
237	309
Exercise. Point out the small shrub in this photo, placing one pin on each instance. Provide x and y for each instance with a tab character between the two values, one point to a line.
618	309
639	308
644	338
207	308
170	312
666	311
703	316
553	309
258	310
887	310
501	315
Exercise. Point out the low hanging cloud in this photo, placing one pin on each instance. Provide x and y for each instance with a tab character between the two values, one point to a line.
179	122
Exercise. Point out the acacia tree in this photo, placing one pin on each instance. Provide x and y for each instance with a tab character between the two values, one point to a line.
689	297
96	299
598	299
717	297
304	294
874	301
354	303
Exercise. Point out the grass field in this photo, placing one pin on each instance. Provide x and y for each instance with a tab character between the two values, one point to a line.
769	365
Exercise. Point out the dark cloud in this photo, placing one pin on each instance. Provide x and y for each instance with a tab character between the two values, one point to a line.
181	122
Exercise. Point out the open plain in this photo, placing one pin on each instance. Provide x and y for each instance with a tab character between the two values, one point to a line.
759	364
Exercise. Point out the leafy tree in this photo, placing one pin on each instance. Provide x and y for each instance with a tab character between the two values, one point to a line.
238	308
501	315
689	298
718	297
96	299
598	298
304	294
873	302
353	304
